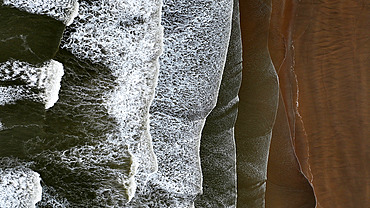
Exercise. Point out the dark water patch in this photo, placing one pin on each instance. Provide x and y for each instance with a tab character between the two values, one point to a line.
21	122
28	37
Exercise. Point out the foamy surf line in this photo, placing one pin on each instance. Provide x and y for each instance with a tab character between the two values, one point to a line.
196	36
126	37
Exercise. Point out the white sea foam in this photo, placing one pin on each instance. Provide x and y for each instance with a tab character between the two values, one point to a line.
62	10
19	187
10	94
52	199
73	14
131	183
45	78
50	82
196	36
126	37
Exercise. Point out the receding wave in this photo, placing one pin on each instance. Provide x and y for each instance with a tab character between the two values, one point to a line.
196	38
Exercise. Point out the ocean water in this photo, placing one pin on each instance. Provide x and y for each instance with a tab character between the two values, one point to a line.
18	39
115	118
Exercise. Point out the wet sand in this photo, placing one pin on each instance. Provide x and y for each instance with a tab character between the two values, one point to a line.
286	184
321	53
324	79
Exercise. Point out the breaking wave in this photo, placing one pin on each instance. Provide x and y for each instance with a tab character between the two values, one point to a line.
27	81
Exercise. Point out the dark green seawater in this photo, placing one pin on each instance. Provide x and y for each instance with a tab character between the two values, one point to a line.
28	37
61	142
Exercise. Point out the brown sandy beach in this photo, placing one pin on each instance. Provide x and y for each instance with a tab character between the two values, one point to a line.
321	52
